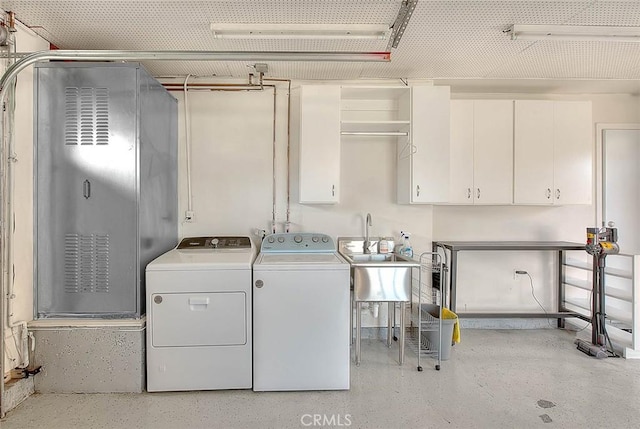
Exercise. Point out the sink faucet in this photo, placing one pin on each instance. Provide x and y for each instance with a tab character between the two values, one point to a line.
367	244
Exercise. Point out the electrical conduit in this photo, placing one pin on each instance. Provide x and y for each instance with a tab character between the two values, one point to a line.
9	190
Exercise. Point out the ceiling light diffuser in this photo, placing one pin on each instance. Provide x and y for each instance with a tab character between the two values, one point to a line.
598	33
300	31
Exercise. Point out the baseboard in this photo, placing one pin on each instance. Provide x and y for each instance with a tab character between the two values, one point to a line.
16	391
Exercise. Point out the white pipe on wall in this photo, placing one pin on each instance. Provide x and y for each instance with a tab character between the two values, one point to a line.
187	142
287	225
273	159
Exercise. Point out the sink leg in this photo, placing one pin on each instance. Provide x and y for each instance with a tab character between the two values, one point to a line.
402	326
351	319
358	326
390	318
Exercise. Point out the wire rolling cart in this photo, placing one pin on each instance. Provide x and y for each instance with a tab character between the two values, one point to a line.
425	329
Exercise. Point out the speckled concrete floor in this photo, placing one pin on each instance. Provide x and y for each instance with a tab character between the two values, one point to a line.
495	379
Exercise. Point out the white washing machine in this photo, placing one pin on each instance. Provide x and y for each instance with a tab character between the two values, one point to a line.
300	314
199	315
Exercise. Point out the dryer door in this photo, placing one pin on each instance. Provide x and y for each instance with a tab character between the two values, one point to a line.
198	319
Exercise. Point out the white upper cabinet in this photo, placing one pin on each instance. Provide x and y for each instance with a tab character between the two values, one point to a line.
553	152
573	153
533	168
423	158
319	144
461	189
481	167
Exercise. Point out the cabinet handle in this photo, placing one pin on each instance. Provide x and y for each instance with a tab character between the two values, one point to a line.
333	190
478	193
548	193
417	190
86	189
557	194
468	193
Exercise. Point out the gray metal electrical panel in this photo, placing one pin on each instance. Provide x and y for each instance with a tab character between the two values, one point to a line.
106	137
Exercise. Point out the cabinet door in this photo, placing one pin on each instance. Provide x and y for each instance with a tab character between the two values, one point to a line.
493	151
430	139
461	190
573	153
534	158
319	144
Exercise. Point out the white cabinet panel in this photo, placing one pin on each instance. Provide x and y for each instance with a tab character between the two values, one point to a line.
319	144
481	152
493	151
461	188
423	166
573	153
553	152
533	169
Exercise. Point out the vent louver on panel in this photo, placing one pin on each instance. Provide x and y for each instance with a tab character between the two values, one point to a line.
86	263
71	116
102	116
86	116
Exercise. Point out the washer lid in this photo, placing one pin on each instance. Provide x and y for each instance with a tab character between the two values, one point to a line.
203	259
300	261
299	258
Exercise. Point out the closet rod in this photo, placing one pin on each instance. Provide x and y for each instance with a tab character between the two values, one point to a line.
374	133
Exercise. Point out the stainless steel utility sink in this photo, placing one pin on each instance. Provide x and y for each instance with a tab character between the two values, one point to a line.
379	257
377	277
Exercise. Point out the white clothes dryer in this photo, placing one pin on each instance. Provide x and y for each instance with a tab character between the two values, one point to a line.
199	334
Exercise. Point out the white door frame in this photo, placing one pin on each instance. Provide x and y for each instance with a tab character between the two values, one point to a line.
599	159
632	352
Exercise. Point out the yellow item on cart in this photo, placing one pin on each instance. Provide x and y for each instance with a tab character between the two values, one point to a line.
448	314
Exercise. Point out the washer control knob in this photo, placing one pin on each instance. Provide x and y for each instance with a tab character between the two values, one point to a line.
325	239
271	240
259	283
315	239
157	299
297	239
214	242
280	239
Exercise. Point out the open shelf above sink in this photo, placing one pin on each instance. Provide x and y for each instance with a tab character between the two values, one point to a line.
391	128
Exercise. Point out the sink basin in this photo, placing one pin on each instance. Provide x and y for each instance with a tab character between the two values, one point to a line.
380	277
389	257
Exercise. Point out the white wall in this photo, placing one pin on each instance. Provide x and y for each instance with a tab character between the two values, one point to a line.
26	41
231	169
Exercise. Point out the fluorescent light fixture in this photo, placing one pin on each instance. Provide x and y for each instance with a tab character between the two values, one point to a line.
598	33
300	31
